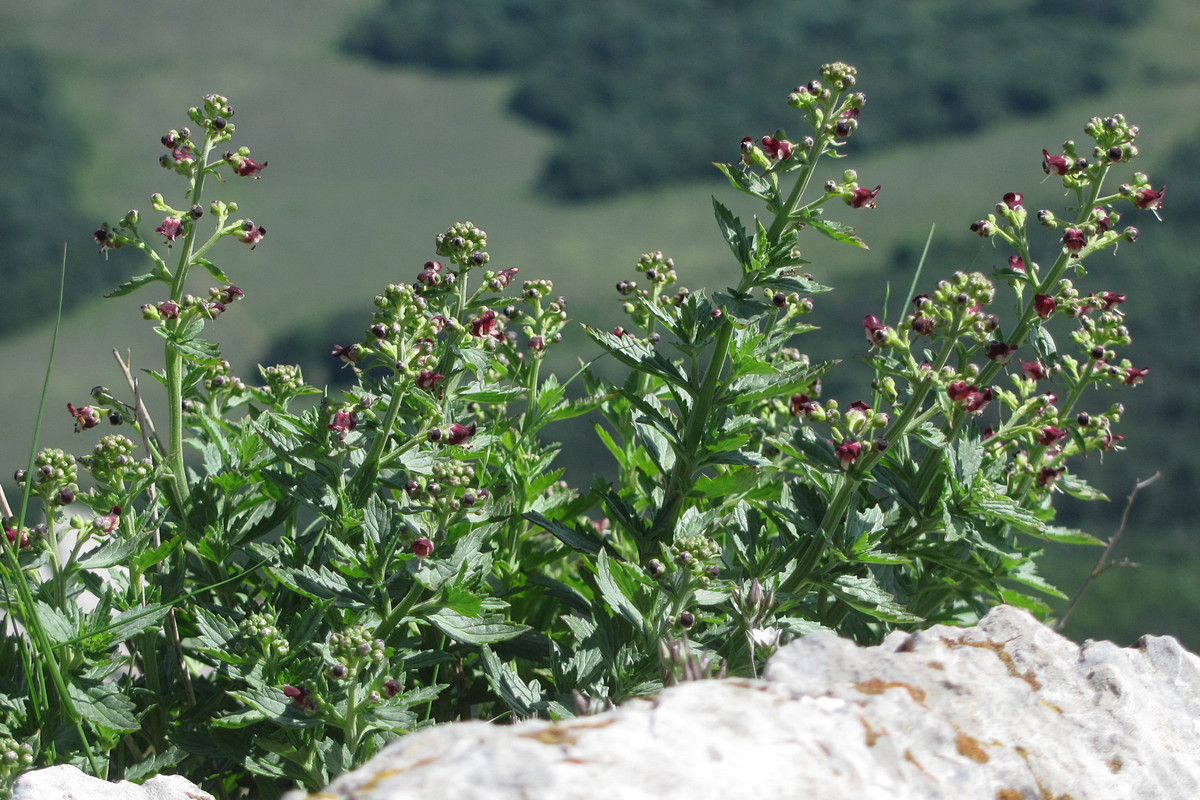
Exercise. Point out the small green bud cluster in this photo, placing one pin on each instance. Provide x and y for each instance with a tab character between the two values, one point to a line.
55	476
545	325
695	554
219	379
111	461
284	381
463	244
261	627
15	758
353	648
449	488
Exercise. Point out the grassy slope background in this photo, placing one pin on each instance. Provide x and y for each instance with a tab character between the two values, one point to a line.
367	165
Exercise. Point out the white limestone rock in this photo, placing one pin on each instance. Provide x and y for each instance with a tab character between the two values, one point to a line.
65	782
1007	710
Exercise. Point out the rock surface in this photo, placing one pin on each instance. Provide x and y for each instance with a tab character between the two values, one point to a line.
65	782
1007	710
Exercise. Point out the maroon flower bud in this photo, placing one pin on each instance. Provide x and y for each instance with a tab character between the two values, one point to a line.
655	568
85	417
171	228
1149	199
847	452
1000	351
169	309
1058	165
1050	436
983	227
251	234
778	149
297	695
1049	475
801	404
1034	370
862	198
422	548
484	324
1044	305
343	422
1016	263
66	496
1014	200
458	434
338	671
687	619
1110	442
1074	240
245	166
428	380
109	522
392	687
876	331
1135	375
231	293
349	353
922	325
12	536
1111	300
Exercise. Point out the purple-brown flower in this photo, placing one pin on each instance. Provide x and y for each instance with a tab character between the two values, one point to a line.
1013	200
778	149
1050	435
1034	370
171	228
847	452
1074	240
862	198
245	166
343	422
428	380
458	434
1135	375
1149	199
1000	351
1059	165
421	548
87	417
1016	263
1044	305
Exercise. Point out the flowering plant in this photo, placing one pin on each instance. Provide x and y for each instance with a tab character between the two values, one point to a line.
325	573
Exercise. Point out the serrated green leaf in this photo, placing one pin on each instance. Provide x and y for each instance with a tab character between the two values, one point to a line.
103	704
864	594
734	233
474	630
57	626
614	594
837	231
133	284
746	181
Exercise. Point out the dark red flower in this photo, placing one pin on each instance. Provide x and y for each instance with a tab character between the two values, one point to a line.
802	404
422	548
1135	375
1111	299
1149	199
1044	305
298	695
251	234
1000	351
1016	263
169	309
349	353
876	330
171	228
110	521
1014	200
968	396
85	417
246	166
457	434
1049	475
1059	165
1050	436
778	149
1034	370
231	293
428	380
343	422
484	324
392	687
863	198
847	452
11	535
1074	240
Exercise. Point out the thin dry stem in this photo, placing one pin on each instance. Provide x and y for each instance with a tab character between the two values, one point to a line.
1103	563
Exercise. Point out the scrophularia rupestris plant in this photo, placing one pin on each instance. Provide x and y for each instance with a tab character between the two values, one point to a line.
319	578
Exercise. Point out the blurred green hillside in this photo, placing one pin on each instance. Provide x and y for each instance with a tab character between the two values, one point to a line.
368	163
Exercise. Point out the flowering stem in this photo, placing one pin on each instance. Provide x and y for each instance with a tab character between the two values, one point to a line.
180	490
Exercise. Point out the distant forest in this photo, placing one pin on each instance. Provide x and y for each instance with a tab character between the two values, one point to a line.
647	92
